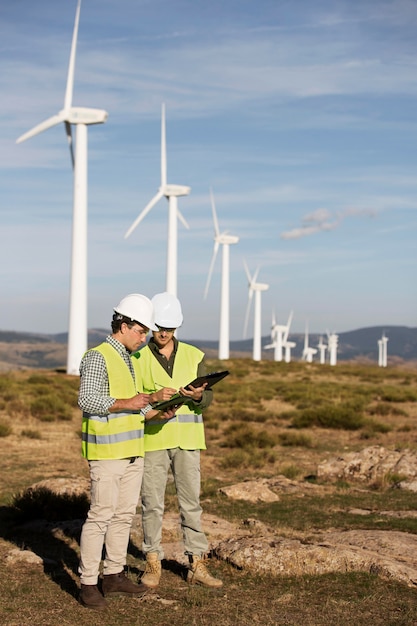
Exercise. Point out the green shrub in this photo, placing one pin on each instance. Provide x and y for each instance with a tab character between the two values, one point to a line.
49	408
290	471
288	415
5	429
244	436
396	394
31	434
36	379
339	417
384	409
295	439
376	427
234	459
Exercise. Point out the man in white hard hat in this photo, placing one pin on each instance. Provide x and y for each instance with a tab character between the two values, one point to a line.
114	405
169	365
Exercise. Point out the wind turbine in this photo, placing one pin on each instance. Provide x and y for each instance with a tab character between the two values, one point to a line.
322	349
308	352
255	288
332	340
172	193
279	335
81	117
225	240
382	351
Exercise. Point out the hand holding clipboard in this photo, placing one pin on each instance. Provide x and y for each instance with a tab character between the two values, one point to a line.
178	399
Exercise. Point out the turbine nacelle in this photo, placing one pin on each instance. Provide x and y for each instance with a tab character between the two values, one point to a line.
175	191
258	286
84	115
278	328
226	239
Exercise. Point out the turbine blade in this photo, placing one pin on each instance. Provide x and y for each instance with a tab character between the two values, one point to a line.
49	123
145	211
213	208
213	260
182	219
287	328
255	276
163	150
70	142
245	329
71	66
273	318
247	272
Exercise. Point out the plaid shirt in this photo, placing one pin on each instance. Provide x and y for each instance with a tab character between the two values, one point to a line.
93	395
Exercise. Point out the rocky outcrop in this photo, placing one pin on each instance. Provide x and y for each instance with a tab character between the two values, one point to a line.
251	491
269	489
373	464
385	553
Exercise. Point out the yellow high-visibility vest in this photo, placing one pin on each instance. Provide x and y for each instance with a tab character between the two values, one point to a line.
116	435
186	429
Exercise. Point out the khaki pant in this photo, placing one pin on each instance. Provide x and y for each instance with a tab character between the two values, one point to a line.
115	491
185	467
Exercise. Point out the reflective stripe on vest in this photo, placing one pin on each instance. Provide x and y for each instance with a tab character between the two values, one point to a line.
186	429
192	418
117	435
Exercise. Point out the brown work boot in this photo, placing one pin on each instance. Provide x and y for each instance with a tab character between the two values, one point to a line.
198	574
120	585
152	574
91	598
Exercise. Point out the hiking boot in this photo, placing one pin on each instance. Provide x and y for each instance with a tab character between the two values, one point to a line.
198	574
120	585
152	574
91	598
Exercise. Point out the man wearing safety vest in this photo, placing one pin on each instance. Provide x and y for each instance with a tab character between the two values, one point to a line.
169	365
114	405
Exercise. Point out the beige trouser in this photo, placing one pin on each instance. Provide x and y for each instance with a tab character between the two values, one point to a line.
185	467
115	491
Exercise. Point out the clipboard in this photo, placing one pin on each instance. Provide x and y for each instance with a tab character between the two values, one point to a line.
178	400
210	379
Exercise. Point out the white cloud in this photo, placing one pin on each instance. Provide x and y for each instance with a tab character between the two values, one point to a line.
322	220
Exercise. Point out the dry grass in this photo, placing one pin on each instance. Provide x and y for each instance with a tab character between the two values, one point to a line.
250	433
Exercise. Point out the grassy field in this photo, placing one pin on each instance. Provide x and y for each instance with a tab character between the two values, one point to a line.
267	419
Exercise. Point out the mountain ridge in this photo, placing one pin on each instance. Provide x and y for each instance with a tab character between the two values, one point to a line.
40	350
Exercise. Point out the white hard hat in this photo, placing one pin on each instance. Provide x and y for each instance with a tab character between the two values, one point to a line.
138	308
167	310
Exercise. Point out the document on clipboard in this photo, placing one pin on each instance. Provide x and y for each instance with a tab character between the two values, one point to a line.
178	400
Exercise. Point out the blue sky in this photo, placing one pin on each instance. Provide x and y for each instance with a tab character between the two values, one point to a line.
300	115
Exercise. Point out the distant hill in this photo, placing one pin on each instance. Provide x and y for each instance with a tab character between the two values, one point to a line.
36	350
354	344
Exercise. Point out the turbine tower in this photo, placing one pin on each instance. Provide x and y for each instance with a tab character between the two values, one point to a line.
322	349
382	351
308	352
255	288
332	340
279	336
172	193
288	345
81	117
225	240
